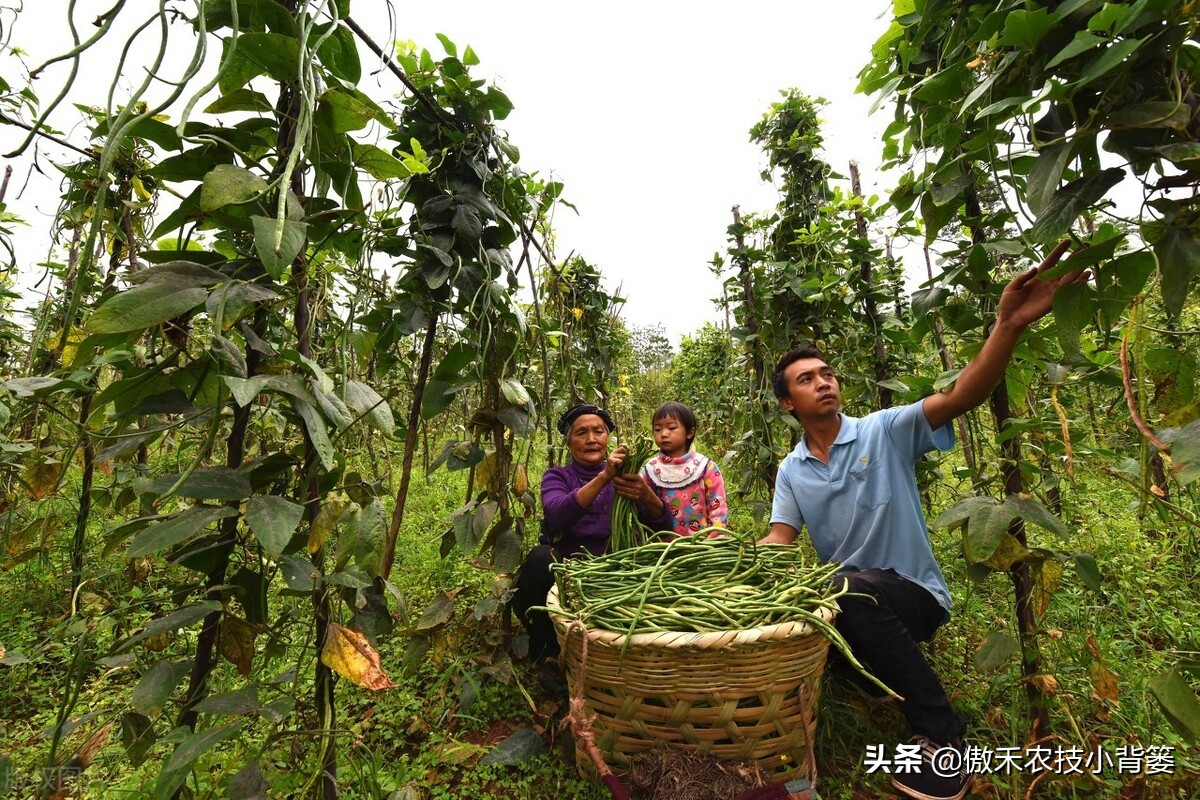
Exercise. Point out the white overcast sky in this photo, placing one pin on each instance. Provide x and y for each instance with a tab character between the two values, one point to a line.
641	109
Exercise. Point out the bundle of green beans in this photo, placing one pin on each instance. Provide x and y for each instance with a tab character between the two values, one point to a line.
694	583
627	530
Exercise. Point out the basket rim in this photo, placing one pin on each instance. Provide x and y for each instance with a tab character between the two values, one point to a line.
712	640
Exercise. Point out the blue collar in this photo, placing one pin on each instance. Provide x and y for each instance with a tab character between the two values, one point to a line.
846	434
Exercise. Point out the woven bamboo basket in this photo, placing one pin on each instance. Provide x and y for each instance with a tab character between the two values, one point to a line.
746	695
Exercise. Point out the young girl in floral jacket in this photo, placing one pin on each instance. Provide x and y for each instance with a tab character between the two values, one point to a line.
689	484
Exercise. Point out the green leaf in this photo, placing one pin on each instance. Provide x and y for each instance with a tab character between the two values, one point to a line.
523	744
1083	41
278	55
949	84
191	747
436	614
1107	61
469	58
290	245
996	651
137	736
241	701
180	618
234	301
986	531
1070	201
349	110
143	307
365	402
297	573
243	99
1185	450
248	784
962	512
318	433
157	685
1154	114
179	273
1045	176
1178	255
1178	703
498	103
1074	308
208	483
228	185
228	354
1024	29
1088	570
1034	512
381	164
1182	154
273	520
339	54
179	528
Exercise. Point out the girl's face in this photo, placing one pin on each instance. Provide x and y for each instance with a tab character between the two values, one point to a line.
588	440
671	437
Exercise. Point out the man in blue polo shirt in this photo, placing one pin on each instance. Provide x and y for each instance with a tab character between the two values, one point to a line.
851	483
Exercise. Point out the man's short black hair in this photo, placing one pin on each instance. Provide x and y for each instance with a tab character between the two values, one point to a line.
685	415
779	380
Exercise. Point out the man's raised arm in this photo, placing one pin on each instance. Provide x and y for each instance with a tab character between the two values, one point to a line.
1024	301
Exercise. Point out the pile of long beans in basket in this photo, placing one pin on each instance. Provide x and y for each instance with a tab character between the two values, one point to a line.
697	584
627	530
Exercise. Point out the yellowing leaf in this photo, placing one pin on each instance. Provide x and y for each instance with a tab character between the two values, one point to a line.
1104	682
521	480
139	188
237	643
347	652
41	478
324	524
578	312
1046	684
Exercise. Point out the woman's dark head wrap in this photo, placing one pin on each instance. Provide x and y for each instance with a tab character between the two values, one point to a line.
575	412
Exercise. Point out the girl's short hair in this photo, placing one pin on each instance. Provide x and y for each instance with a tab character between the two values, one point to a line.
685	415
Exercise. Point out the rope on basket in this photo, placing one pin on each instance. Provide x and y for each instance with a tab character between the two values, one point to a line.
580	721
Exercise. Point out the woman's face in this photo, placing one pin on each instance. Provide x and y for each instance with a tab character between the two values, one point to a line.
588	440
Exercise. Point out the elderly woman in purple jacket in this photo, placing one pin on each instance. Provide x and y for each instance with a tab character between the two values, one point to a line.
577	504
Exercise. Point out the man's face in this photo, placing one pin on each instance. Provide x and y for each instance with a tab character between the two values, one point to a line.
813	390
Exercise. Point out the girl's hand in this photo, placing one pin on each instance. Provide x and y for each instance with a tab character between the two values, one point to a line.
612	466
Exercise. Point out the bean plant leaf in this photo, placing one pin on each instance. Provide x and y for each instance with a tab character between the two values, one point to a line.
191	746
986	531
318	433
1185	450
381	164
365	402
1178	253
996	651
1178	703
347	652
248	784
1024	29
523	744
237	643
273	520
1072	200
137	736
239	701
1088	570
157	685
180	274
436	614
275	261
1031	510
181	527
297	573
228	185
144	306
180	618
962	512
208	483
1045	176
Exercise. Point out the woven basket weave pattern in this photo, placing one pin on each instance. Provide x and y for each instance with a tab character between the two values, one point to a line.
746	695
